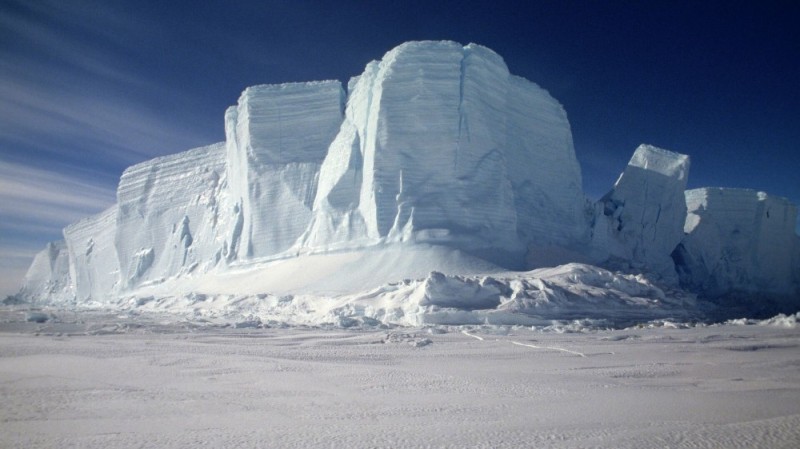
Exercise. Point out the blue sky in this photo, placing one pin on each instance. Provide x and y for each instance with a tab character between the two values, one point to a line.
88	88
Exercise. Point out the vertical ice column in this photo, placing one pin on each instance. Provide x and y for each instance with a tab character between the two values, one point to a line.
641	220
441	144
277	137
420	154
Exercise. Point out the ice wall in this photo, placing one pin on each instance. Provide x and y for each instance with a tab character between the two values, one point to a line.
738	241
276	139
172	216
441	144
48	278
93	262
641	219
543	168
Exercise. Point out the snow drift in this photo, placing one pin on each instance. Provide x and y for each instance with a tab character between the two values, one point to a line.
435	159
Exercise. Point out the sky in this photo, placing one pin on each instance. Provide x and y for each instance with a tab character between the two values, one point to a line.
88	88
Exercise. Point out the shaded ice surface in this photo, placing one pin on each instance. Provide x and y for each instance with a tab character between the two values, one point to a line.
277	137
49	274
93	260
642	219
441	144
739	240
437	188
100	380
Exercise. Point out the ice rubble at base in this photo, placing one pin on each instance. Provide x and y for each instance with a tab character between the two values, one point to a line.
435	159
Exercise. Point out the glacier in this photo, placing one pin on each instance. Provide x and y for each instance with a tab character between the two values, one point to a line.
436	187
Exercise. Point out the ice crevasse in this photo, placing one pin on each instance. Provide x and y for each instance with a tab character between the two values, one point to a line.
436	144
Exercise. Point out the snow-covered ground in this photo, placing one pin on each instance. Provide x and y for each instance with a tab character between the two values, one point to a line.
100	380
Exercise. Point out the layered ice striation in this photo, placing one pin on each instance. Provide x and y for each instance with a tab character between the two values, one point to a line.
93	261
438	146
739	242
276	139
641	219
170	218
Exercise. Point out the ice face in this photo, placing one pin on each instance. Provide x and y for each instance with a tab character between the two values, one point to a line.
738	240
440	144
48	278
170	217
93	260
276	139
641	220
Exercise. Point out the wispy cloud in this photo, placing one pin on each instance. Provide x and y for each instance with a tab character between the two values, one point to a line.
55	199
120	128
78	104
35	197
69	87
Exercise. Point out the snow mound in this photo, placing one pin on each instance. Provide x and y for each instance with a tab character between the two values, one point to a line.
535	298
781	321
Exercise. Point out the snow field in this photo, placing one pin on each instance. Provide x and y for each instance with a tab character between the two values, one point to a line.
95	380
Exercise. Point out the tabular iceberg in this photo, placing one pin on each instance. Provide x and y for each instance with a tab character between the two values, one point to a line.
435	155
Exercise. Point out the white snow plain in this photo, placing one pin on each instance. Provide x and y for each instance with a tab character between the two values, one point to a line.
94	380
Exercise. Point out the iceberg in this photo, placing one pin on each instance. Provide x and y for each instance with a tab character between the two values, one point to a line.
441	144
437	187
641	219
739	243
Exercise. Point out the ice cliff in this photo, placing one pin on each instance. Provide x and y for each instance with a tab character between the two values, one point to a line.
441	144
436	144
276	140
739	243
642	219
171	218
48	278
